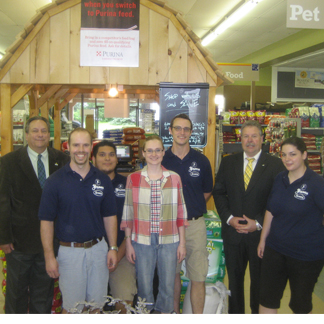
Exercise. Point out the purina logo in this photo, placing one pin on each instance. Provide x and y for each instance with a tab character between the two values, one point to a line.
112	54
98	53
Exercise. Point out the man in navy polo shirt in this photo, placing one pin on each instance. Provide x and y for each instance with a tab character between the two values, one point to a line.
80	199
122	280
197	180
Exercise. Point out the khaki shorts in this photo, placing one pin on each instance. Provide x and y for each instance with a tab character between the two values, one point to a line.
122	281
197	254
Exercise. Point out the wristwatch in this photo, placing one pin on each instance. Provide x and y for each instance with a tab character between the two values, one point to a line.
113	248
258	226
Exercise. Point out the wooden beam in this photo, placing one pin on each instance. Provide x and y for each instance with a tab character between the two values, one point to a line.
49	93
57	127
19	93
6	119
33	111
66	100
209	149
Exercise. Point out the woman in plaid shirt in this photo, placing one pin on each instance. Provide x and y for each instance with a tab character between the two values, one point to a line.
154	220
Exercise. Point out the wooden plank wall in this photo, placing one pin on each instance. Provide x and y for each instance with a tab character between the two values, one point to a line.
52	55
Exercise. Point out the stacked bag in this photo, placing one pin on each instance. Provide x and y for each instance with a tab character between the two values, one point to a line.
132	136
216	292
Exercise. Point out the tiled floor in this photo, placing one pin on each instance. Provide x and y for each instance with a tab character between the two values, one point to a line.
318	304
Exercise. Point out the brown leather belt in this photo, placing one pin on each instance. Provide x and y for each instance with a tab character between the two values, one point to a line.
85	245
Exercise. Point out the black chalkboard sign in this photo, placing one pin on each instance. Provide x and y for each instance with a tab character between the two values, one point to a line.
184	98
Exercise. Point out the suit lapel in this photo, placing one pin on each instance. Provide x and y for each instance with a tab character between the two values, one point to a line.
258	170
239	171
27	167
53	164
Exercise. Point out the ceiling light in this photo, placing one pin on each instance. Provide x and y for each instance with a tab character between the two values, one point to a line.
230	20
113	92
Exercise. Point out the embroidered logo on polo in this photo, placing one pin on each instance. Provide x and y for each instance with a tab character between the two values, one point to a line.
120	191
97	189
301	193
193	170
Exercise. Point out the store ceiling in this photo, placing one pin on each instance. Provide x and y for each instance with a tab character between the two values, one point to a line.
265	25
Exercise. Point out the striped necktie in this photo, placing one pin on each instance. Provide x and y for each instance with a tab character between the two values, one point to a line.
41	171
248	172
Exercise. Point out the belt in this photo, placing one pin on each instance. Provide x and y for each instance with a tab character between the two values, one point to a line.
195	218
85	245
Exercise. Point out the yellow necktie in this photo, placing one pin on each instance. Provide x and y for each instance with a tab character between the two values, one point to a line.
248	172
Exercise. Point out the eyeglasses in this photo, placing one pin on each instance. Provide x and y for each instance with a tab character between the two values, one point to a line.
179	129
157	151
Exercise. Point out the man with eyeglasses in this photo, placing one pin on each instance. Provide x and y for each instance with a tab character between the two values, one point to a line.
196	176
122	279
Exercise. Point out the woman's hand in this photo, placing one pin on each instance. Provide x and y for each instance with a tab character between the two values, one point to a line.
181	252
130	252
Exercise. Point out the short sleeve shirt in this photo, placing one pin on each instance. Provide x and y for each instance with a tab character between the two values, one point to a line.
297	208
119	184
77	205
196	176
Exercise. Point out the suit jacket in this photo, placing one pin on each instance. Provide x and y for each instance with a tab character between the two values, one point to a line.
231	198
20	195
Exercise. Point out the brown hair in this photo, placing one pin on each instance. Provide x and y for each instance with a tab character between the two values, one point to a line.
79	129
151	138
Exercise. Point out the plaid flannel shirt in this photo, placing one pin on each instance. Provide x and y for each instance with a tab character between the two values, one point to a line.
137	207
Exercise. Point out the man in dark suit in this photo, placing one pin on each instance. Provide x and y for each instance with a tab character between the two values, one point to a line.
240	193
29	288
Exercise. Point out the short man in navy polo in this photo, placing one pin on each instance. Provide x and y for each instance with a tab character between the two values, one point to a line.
197	180
80	199
122	280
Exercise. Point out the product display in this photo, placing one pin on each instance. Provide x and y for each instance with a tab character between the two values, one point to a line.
216	258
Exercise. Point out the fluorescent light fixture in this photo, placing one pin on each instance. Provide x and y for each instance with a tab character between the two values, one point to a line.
229	21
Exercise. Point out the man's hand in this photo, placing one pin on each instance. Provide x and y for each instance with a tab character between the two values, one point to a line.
112	260
249	227
7	248
52	267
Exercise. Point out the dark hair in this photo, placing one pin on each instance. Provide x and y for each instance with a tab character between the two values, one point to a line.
183	116
298	143
252	123
79	129
29	120
151	138
101	144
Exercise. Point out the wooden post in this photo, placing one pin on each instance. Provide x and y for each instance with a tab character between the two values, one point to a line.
33	111
209	149
252	96
57	126
6	119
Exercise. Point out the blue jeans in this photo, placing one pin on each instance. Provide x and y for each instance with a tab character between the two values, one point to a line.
164	257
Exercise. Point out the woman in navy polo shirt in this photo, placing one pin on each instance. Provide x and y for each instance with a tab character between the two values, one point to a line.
292	238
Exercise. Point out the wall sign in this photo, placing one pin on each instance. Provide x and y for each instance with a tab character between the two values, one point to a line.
305	14
190	99
109	33
240	72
